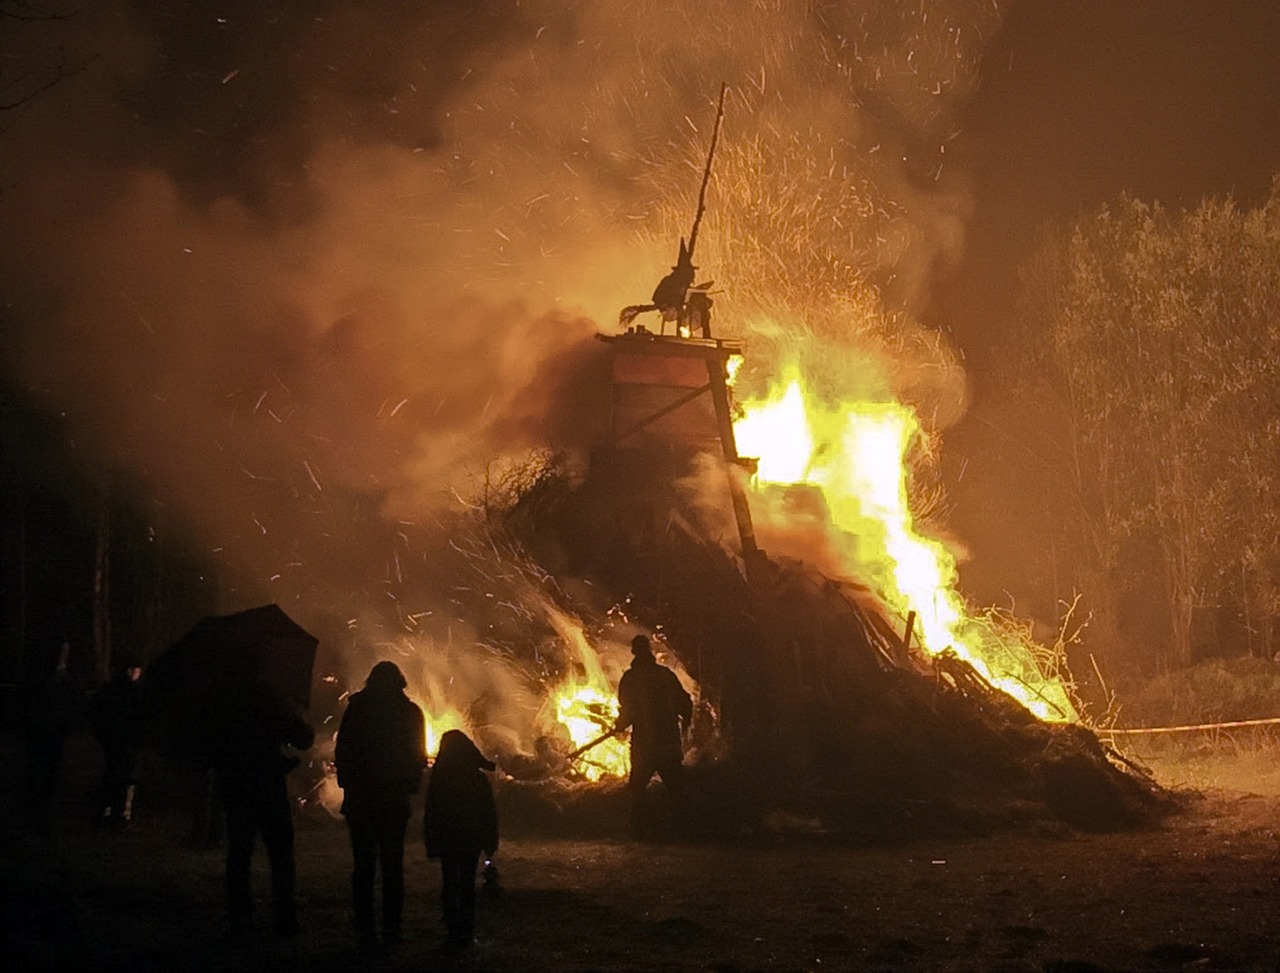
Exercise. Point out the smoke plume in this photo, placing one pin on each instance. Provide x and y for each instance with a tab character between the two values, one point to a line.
308	271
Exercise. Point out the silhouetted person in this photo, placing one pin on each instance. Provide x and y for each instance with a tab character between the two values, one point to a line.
656	707
52	703
380	756
208	816
243	735
117	723
460	821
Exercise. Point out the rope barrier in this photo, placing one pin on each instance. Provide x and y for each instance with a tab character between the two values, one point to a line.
1139	731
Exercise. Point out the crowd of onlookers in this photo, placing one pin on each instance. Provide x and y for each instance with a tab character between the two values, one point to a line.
248	741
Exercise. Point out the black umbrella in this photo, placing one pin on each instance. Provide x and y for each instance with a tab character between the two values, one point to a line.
262	646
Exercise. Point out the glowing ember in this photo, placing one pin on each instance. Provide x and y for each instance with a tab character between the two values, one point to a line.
855	453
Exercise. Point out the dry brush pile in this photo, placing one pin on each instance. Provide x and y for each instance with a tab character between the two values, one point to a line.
823	721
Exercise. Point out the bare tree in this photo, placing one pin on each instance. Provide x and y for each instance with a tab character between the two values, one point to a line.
1162	334
31	58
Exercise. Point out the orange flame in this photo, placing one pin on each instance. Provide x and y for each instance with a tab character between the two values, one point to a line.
855	453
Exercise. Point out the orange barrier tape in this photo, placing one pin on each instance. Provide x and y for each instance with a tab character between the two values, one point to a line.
1193	726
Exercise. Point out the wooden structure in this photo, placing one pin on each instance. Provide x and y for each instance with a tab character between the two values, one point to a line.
669	395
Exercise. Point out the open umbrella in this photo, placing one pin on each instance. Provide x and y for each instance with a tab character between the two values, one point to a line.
223	653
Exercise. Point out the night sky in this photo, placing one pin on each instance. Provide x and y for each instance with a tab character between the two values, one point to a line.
1083	101
237	211
1080	102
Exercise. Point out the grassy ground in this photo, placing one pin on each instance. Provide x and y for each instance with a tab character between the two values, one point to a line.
1240	760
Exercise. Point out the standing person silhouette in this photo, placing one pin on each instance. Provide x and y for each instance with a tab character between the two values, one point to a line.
656	707
117	723
380	756
244	734
52	705
460	821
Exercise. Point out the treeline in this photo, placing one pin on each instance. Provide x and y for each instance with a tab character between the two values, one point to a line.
84	560
1150	341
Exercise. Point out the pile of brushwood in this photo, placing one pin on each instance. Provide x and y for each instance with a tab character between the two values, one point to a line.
831	726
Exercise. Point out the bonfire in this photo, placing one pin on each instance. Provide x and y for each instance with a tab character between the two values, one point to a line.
770	531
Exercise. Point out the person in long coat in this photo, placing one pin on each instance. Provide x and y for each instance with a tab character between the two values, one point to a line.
242	739
459	823
380	756
656	708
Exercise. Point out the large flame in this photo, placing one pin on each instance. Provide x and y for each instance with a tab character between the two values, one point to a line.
855	453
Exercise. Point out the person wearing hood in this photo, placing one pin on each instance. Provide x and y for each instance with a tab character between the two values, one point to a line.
380	755
460	821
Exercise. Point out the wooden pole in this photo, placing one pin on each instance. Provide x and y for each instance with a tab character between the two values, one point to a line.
594	743
906	636
706	172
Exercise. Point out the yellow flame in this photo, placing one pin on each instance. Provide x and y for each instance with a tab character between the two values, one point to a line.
776	432
586	705
856	454
586	712
437	721
438	726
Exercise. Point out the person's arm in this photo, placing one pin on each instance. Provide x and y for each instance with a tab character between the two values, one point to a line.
684	704
490	813
300	735
432	821
417	753
342	749
625	708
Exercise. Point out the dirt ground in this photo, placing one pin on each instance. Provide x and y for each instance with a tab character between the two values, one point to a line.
1199	892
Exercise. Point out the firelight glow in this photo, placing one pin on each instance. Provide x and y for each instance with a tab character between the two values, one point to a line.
855	454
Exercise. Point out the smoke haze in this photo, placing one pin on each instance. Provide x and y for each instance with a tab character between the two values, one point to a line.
306	271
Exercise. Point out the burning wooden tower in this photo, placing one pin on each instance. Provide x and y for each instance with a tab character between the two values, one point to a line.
669	403
809	675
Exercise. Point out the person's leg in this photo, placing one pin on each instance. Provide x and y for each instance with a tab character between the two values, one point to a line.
115	783
102	813
391	850
128	784
364	853
276	822
449	893
466	927
641	772
240	834
673	779
130	790
217	818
